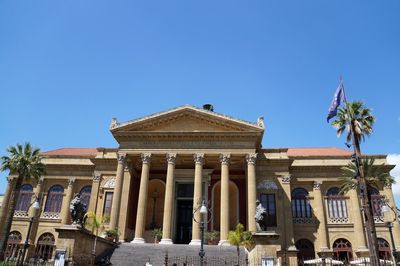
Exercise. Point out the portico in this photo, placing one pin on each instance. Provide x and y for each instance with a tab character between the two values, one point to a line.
186	149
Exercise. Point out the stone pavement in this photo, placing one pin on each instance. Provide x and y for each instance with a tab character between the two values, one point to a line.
139	254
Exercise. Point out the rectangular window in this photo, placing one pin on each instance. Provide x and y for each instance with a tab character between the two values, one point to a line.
107	204
268	202
269	261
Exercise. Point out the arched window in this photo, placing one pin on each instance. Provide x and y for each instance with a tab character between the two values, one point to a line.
45	246
85	195
300	204
376	200
342	250
384	249
306	250
54	199
13	246
24	199
337	206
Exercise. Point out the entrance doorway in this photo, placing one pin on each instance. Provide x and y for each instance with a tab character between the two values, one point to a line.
184	221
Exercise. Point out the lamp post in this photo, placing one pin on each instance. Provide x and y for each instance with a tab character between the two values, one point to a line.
389	224
36	206
203	221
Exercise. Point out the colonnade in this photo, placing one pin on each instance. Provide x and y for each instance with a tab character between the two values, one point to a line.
198	160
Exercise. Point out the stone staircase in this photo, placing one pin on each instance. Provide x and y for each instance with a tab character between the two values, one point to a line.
138	254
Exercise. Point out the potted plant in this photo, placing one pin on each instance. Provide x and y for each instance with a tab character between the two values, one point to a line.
156	234
112	234
212	237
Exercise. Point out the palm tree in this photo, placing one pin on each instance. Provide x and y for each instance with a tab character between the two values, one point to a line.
238	238
358	121
373	176
354	117
24	161
96	224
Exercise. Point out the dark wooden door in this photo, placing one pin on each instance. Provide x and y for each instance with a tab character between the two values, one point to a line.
184	221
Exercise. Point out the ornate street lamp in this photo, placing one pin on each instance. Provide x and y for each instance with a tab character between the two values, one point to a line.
203	210
385	207
36	206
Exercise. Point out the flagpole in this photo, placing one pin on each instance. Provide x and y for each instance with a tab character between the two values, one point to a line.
362	187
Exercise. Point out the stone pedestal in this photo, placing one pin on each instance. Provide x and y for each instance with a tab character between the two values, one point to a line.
78	244
266	247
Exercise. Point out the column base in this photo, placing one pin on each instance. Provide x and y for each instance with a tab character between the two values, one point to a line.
138	240
195	242
166	241
223	243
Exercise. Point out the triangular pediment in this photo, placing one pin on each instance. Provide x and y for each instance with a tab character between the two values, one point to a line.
186	119
188	127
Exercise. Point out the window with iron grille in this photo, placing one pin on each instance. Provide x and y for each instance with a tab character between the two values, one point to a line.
24	198
342	250
54	199
376	201
337	206
45	246
300	205
13	245
384	249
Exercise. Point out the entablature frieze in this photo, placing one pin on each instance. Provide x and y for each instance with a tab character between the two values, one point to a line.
186	140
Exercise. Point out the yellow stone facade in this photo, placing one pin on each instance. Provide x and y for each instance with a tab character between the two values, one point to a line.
168	162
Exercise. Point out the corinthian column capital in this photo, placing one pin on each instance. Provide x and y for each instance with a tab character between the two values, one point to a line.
198	158
146	157
317	185
71	181
251	158
121	157
225	158
171	158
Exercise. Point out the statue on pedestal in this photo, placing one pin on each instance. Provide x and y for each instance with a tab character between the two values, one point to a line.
260	217
78	210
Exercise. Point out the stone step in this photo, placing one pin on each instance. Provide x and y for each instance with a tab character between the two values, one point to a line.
139	254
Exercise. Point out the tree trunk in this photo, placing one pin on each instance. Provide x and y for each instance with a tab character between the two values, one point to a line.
365	202
9	217
238	252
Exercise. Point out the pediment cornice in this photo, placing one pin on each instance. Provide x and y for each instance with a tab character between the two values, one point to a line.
220	122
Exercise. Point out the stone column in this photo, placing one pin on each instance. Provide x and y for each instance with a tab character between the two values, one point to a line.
37	194
359	231
392	216
6	202
318	207
197	197
65	214
169	200
251	191
287	212
94	194
224	219
119	180
142	202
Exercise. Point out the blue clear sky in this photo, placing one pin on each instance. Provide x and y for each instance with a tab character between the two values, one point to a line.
68	67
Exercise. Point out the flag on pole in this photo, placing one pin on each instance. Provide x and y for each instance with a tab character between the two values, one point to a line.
338	99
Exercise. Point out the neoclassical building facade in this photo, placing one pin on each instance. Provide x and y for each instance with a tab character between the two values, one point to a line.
167	163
